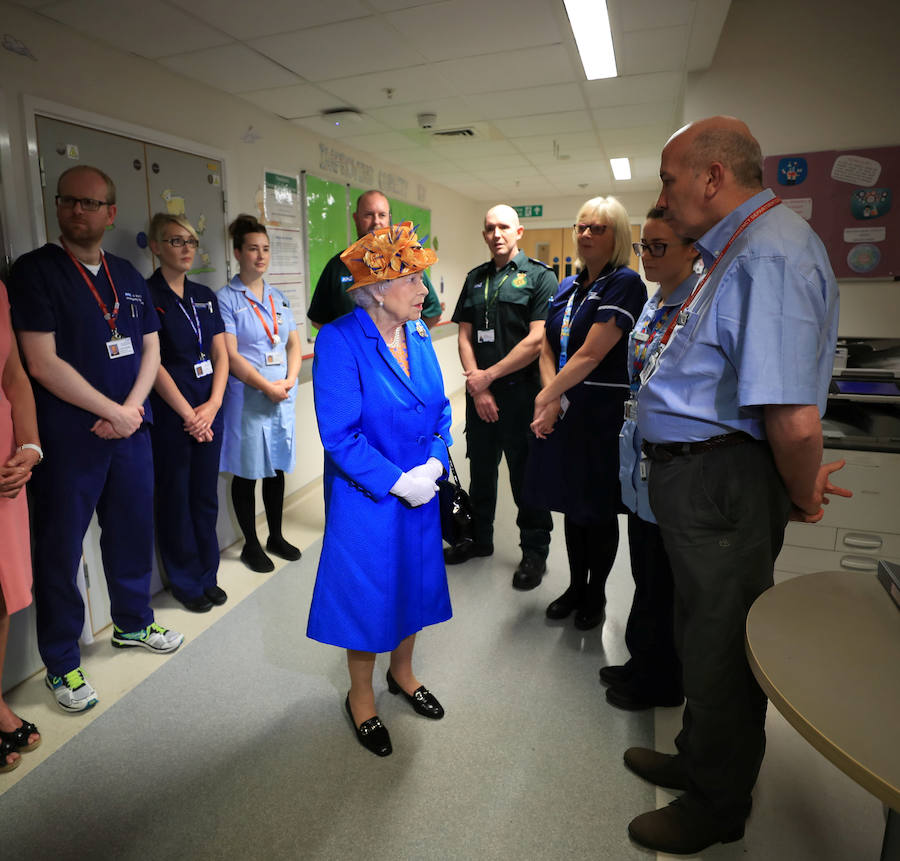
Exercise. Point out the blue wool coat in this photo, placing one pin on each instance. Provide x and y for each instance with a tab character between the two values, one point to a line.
381	574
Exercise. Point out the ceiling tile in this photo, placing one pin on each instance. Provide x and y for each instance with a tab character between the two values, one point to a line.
549	64
631	116
643	14
543	144
321	53
660	50
325	127
639	141
532	100
451	113
300	100
142	27
263	17
466	28
510	162
408	85
543	124
382	142
234	68
635	89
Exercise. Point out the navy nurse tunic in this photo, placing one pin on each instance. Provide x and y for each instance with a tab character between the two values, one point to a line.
381	574
575	470
186	471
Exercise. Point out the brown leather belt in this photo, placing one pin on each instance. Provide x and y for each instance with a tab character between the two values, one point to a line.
665	451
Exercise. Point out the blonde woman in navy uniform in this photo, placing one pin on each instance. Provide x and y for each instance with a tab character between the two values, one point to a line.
187	428
264	359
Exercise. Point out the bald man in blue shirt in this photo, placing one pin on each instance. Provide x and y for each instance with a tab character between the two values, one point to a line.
730	414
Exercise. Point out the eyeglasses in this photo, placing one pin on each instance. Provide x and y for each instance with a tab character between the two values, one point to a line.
595	229
88	204
180	242
656	249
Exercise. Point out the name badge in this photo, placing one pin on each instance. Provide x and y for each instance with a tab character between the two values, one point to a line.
642	336
203	369
485	336
118	347
275	358
631	410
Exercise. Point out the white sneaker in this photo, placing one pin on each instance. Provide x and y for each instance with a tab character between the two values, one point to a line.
73	691
154	637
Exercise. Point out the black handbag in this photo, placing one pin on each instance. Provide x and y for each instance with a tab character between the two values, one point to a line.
457	522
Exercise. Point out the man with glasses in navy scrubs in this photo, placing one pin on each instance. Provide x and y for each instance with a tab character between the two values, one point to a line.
88	333
729	408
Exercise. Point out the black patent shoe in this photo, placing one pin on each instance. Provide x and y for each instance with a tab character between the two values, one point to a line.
589	617
563	606
371	734
465	551
422	700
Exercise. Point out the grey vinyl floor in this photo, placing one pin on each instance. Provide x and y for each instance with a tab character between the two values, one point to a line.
238	746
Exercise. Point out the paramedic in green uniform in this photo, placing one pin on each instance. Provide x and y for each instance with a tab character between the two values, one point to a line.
330	300
501	313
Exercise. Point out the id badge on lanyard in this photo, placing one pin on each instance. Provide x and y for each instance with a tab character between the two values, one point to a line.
116	348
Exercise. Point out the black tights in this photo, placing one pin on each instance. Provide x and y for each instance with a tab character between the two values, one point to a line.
591	548
243	497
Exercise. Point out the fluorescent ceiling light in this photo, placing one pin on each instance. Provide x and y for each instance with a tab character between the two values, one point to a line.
590	27
621	168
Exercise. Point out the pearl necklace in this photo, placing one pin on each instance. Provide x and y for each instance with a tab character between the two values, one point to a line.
395	342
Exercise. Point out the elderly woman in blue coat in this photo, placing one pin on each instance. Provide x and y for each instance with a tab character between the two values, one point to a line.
384	421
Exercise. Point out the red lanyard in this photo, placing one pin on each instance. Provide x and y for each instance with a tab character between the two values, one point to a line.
272	337
741	228
109	317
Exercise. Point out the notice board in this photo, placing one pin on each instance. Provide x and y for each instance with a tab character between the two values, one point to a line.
847	196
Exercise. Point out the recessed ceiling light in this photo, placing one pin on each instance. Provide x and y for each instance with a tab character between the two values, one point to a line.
589	20
621	168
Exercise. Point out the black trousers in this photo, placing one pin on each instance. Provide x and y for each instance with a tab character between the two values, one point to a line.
486	442
722	514
655	669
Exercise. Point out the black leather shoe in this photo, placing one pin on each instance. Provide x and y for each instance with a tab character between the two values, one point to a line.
196	605
634	701
216	594
529	573
256	560
281	548
587	618
371	734
679	830
616	674
422	700
464	552
564	605
661	769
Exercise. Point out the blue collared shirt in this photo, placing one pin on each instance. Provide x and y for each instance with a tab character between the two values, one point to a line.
764	333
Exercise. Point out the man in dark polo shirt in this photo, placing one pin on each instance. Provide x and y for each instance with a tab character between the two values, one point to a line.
501	313
330	300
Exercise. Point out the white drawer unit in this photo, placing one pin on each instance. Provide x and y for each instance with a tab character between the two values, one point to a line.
854	533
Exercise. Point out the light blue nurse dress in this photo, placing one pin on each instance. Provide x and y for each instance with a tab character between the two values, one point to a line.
258	437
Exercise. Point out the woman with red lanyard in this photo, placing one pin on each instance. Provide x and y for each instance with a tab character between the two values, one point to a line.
264	360
187	428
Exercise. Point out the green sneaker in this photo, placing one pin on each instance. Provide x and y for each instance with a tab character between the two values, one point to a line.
72	690
154	637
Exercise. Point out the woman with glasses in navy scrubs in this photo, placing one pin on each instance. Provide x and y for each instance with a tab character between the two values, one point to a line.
264	358
573	463
187	429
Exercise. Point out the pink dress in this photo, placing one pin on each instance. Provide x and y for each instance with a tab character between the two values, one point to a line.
15	539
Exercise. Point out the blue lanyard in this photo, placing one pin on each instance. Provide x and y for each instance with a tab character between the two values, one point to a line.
194	324
569	315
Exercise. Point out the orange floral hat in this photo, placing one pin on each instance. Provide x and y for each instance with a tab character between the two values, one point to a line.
386	253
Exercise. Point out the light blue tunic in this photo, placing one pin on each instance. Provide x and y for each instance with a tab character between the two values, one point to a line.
258	437
764	335
634	488
381	573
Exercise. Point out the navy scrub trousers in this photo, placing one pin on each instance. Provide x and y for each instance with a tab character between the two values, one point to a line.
85	473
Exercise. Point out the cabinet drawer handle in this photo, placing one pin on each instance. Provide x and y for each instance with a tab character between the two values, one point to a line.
863	542
859	563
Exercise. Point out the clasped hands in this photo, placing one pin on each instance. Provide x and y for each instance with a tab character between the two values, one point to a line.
14	474
418	485
546	414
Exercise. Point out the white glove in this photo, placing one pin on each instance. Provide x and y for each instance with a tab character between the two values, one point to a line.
432	468
415	489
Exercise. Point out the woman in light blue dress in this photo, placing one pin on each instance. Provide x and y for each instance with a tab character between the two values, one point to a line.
264	357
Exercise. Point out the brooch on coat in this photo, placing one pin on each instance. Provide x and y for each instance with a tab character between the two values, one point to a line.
421	331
